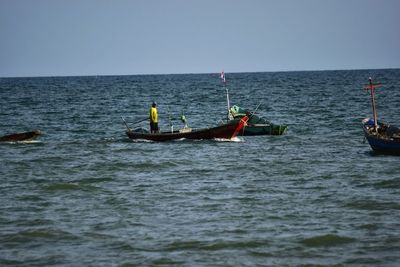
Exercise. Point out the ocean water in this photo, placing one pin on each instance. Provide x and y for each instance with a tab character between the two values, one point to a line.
83	194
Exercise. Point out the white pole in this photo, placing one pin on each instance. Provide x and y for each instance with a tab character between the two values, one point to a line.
229	105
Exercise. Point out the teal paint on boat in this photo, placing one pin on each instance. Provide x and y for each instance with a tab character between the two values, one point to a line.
256	125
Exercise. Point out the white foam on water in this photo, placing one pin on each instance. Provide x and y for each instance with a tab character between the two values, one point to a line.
22	142
142	141
234	139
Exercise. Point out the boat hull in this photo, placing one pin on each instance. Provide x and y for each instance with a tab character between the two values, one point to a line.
272	129
225	131
19	137
385	141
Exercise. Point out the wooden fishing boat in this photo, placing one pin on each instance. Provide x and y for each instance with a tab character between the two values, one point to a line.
19	137
256	125
382	138
224	131
385	139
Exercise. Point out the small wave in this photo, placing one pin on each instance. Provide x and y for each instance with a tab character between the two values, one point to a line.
33	222
368	204
30	198
216	245
237	244
68	187
62	186
48	260
167	262
31	235
367	261
369	226
392	184
94	180
327	241
154	165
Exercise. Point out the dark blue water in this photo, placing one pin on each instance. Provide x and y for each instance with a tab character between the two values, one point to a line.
84	194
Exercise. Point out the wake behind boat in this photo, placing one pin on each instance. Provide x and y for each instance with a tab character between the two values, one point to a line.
21	137
224	131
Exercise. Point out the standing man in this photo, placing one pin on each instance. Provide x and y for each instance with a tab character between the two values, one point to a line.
154	118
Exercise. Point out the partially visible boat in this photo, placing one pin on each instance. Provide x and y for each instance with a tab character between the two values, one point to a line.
382	137
224	131
19	137
256	125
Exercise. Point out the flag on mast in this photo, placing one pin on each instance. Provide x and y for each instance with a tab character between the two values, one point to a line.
222	76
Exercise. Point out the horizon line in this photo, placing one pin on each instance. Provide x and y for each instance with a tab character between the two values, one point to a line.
193	73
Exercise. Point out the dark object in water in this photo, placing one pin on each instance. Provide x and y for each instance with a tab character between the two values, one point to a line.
18	137
225	131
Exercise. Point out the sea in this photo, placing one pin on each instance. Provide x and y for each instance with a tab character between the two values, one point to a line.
84	194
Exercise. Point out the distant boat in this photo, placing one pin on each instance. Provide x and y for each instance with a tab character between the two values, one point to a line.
256	125
382	138
225	131
19	137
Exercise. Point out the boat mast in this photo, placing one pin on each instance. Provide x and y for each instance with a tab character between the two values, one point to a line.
372	87
222	76
227	100
373	105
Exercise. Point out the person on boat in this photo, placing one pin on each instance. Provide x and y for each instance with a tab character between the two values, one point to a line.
154	118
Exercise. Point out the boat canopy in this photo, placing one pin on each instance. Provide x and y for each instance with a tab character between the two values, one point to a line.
238	112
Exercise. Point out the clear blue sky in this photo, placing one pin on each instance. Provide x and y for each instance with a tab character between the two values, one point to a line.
111	37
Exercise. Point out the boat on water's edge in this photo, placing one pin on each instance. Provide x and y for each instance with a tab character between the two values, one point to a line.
256	125
224	131
21	137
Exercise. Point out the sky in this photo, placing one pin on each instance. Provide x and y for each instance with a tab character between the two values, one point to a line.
125	37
